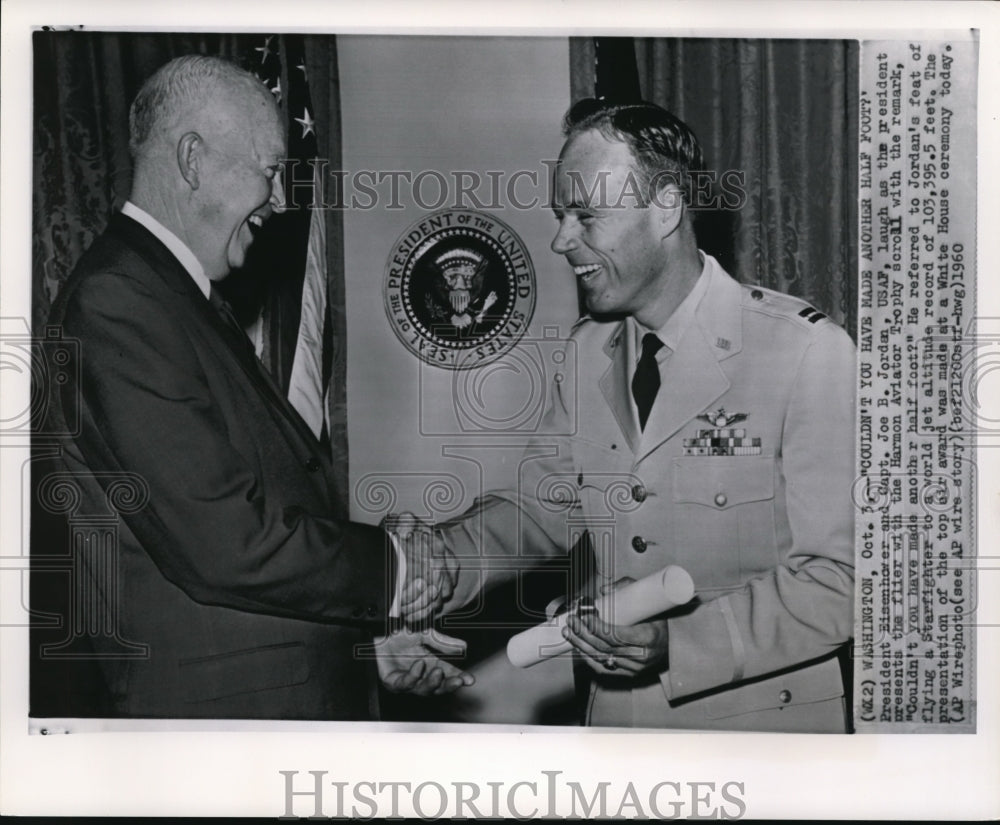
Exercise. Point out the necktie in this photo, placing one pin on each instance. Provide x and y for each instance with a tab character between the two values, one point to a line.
225	311
646	381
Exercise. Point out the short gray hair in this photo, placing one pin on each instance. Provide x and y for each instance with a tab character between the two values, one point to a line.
184	81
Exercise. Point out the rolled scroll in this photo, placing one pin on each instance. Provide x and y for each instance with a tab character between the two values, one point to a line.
628	605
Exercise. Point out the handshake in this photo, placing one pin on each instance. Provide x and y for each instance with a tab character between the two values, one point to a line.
407	660
431	569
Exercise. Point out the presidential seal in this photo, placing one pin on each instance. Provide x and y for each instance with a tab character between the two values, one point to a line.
459	288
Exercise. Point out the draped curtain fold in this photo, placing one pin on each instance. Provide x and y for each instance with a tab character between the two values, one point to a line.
783	114
84	83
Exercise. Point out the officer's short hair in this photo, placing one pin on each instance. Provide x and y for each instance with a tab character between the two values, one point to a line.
184	81
664	147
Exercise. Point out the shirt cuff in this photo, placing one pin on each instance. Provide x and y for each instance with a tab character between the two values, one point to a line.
400	576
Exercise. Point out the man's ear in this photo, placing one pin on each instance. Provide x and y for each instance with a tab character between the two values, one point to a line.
668	201
190	154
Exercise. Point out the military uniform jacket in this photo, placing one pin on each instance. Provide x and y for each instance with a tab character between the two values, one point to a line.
248	597
758	512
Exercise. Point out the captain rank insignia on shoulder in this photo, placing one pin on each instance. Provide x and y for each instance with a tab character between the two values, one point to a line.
722	439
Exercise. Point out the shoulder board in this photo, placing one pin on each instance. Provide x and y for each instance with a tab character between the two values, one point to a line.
778	303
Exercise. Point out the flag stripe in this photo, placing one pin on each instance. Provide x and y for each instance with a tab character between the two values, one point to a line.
307	388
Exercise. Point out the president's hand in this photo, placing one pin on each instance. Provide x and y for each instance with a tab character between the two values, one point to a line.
407	664
617	649
431	569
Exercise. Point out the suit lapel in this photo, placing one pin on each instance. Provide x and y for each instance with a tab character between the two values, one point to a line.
242	350
614	383
163	263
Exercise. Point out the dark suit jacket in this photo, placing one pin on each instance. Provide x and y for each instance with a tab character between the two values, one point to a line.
250	597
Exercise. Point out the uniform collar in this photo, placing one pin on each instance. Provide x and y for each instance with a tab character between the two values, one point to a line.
719	313
676	325
715	303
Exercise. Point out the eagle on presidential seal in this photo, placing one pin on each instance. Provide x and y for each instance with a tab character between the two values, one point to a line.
456	297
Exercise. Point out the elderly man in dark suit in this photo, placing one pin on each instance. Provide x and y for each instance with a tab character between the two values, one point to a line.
253	601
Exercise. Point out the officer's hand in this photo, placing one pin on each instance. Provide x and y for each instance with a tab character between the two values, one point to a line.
629	651
618	649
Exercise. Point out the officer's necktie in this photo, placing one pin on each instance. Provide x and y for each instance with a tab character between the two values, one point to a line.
646	381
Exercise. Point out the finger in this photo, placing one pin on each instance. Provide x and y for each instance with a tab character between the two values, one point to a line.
444	585
600	643
453	683
453	679
414	674
400	681
597	658
423	601
443	643
607	588
434	680
591	624
416	616
412	591
450	568
626	642
583	640
407	524
427	685
451	564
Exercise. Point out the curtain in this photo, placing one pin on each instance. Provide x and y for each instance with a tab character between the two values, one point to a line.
782	113
84	83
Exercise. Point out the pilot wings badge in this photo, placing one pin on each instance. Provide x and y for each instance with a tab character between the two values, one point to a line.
720	419
722	439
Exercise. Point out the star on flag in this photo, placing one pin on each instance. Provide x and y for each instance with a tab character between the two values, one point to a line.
307	122
265	50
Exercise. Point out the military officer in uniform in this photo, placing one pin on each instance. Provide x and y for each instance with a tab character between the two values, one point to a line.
714	430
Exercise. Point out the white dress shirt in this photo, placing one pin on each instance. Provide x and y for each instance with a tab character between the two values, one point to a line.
179	249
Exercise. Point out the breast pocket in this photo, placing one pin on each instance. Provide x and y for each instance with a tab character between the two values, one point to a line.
724	518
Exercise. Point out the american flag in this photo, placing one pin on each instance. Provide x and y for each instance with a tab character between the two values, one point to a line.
289	257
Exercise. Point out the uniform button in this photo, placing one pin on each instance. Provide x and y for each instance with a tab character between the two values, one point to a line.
372	610
785	697
639	493
639	544
721	500
312	465
358	612
757	295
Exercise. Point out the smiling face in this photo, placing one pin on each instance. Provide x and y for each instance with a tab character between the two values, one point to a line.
239	181
614	243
